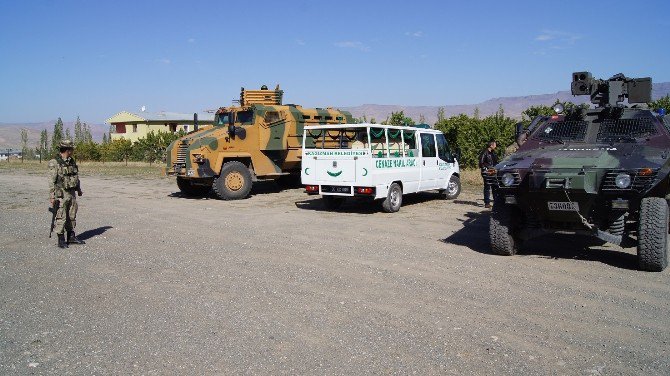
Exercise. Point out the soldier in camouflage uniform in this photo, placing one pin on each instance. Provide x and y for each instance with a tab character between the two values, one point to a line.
64	186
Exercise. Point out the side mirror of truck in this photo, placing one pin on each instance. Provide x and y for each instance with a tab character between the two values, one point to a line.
457	154
231	130
519	130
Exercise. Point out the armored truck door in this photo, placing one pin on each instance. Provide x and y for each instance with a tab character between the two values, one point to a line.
429	162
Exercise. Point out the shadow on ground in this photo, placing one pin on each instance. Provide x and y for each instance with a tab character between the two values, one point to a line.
366	206
94	232
475	235
258	188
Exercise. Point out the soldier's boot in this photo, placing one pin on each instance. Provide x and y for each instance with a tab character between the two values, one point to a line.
61	241
73	239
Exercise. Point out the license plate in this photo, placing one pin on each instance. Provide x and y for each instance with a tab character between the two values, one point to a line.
335	189
564	206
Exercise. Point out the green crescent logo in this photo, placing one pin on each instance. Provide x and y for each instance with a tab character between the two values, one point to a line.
334	174
366	171
307	171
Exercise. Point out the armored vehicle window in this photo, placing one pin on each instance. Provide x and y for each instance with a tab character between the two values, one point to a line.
625	129
410	143
271	117
245	117
378	142
427	145
443	148
563	131
306	117
223	119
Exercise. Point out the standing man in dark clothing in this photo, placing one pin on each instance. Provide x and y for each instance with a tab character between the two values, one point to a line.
64	186
487	159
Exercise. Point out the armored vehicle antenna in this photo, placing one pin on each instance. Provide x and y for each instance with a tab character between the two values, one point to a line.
609	93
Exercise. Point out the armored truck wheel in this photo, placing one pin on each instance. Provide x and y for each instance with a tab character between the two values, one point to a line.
234	182
502	229
332	202
453	188
187	187
652	242
393	199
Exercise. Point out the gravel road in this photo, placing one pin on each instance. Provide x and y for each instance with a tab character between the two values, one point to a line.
276	285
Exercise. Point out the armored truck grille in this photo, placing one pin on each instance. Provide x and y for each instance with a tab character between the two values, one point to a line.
615	130
639	182
563	131
181	154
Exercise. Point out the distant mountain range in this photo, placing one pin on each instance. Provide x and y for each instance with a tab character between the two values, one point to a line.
513	106
10	133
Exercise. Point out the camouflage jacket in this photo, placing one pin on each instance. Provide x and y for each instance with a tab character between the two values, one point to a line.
63	175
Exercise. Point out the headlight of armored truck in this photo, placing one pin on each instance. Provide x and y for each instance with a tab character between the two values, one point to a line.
507	179
622	181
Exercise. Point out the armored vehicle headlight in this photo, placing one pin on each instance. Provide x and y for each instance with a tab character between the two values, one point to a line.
507	179
622	181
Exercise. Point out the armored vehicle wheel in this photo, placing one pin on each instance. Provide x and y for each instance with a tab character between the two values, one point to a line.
234	183
189	189
502	229
453	188
332	202
393	199
652	242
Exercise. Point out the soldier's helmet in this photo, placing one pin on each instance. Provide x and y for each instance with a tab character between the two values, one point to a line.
66	144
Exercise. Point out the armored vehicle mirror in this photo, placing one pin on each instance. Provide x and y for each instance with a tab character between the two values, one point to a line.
231	130
519	130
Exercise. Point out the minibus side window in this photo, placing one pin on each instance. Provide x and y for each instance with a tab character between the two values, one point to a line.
395	143
410	144
428	145
443	148
378	142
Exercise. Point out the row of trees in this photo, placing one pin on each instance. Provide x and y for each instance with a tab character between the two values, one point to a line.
469	133
148	149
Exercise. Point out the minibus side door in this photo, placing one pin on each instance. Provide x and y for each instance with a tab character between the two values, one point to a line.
429	162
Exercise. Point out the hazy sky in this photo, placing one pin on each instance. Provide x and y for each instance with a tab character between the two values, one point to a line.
95	58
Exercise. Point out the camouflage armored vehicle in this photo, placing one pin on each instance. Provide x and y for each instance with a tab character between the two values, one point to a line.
260	139
601	171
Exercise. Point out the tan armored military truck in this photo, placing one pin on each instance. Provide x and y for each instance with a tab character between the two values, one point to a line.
260	139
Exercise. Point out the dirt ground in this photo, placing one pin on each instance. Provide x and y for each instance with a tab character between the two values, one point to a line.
274	284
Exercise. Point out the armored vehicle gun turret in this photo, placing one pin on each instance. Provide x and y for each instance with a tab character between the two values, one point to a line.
259	139
601	171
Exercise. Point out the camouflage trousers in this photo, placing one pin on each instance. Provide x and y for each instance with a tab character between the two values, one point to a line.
66	216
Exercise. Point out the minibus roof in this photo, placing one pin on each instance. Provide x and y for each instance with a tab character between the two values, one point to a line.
421	127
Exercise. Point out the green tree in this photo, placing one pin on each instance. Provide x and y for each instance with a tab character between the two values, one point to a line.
68	136
86	133
78	135
663	103
44	144
24	144
440	114
56	137
399	118
87	151
470	134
